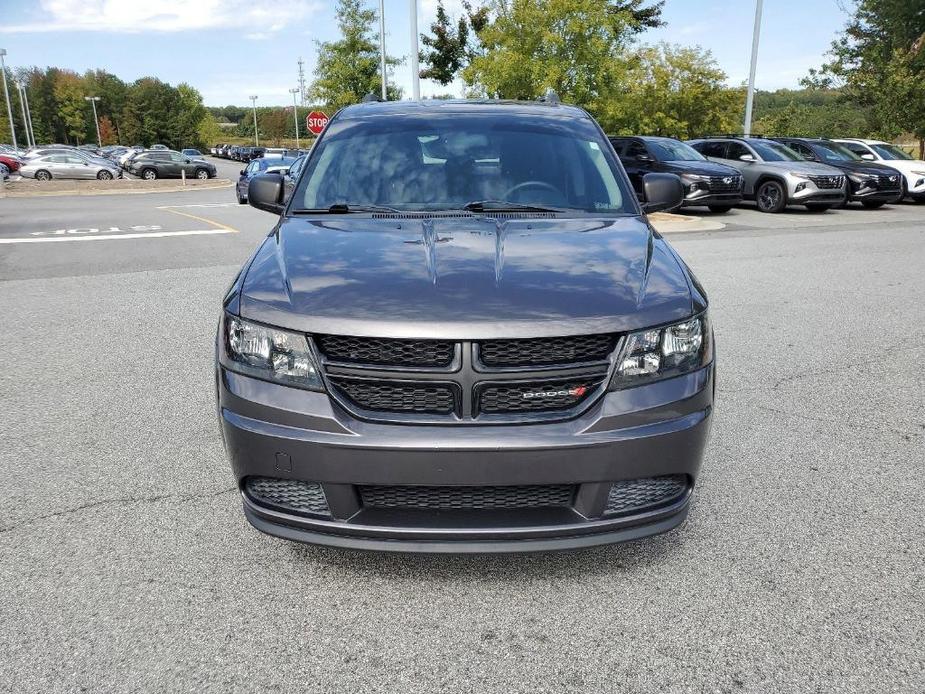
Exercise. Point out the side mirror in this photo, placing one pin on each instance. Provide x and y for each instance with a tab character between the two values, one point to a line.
187	161
265	192
662	191
868	157
242	172
746	157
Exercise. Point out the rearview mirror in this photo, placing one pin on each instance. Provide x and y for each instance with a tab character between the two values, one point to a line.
746	157
868	157
265	192
663	192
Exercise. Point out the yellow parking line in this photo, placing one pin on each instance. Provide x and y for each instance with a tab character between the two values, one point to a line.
200	219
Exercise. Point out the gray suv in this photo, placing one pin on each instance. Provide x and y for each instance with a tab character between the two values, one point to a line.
462	334
775	175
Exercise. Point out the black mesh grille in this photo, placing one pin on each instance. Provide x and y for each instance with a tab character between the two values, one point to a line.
636	495
547	350
828	182
291	495
725	184
884	182
385	351
397	396
534	397
513	497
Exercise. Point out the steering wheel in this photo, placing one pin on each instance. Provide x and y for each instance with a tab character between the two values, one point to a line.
532	184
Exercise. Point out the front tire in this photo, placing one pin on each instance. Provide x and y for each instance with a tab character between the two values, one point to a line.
719	209
42	175
817	206
104	176
873	204
149	174
771	197
202	174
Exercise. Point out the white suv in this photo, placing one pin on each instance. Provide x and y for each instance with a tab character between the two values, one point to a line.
913	170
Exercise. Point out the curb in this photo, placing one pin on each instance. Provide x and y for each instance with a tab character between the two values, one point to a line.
669	223
220	183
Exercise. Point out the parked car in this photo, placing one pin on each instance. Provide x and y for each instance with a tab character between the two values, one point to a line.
913	170
4	172
776	176
195	153
273	152
67	165
160	164
11	162
73	151
258	166
248	153
706	183
481	347
291	177
871	184
160	147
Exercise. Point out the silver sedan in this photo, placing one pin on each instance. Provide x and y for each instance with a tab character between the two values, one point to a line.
51	166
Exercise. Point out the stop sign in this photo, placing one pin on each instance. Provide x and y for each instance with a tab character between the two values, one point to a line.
315	121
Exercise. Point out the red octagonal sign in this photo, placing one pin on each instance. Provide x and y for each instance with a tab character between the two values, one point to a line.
315	121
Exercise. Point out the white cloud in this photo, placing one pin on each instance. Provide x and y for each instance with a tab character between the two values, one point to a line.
134	16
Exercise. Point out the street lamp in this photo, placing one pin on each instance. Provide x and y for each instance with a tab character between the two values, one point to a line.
22	104
30	131
254	102
93	100
295	116
6	93
747	126
385	87
415	71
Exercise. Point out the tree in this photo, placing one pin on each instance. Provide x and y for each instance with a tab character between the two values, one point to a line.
274	123
572	46
69	97
148	112
209	131
187	117
447	47
880	60
348	69
107	131
673	91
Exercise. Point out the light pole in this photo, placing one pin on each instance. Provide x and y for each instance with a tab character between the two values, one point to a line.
22	105
747	128
93	100
254	103
415	77
385	88
6	93
29	129
295	116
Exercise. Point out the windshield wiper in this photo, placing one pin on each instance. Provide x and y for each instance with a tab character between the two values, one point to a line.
344	208
504	205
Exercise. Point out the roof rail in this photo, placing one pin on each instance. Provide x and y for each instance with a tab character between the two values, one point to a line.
371	97
550	97
738	136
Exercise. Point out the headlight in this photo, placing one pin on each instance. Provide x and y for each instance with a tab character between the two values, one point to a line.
860	178
918	173
797	174
690	178
651	355
270	353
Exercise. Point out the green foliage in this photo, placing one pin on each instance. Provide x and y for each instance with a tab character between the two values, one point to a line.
348	69
446	48
674	91
809	113
275	124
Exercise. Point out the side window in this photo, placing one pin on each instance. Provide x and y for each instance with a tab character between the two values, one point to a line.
73	160
55	158
712	149
856	147
635	149
802	150
253	168
178	158
737	149
619	147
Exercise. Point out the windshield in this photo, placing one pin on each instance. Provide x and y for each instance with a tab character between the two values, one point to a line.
890	152
672	150
774	151
829	151
442	161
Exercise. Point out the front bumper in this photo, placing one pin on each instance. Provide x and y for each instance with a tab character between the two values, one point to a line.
286	433
702	198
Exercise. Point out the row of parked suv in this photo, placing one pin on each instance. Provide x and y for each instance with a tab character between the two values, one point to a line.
719	172
161	162
246	154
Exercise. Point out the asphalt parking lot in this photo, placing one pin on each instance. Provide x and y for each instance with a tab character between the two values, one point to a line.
126	564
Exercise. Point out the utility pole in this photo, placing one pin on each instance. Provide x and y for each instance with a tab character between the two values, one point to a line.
415	70
385	86
254	102
747	127
93	100
295	116
31	130
22	105
6	93
301	81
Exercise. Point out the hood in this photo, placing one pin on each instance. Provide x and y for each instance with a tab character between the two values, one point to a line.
865	167
464	278
809	167
706	168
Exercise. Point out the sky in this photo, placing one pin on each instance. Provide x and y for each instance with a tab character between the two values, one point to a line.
231	49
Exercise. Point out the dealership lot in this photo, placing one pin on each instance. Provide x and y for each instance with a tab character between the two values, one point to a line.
127	565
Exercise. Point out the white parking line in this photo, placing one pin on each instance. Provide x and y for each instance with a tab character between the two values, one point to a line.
112	237
204	204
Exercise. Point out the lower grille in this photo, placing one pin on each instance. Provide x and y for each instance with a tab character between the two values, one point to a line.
290	495
543	351
422	397
631	496
888	183
543	396
828	182
725	184
464	498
